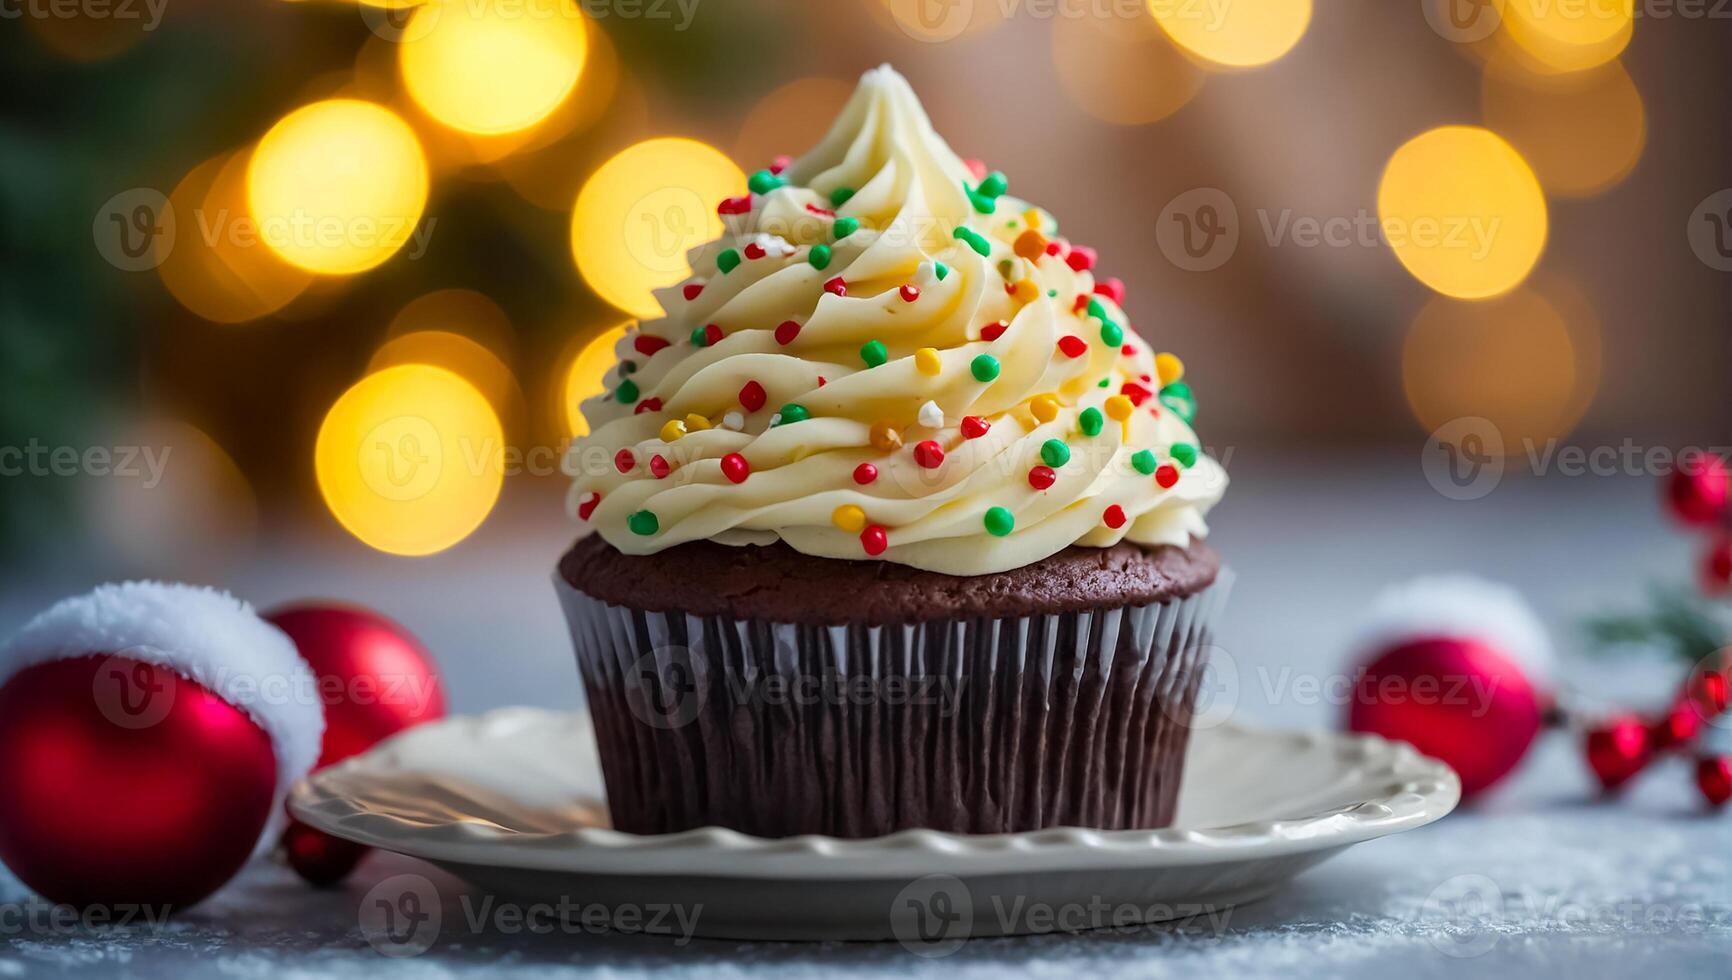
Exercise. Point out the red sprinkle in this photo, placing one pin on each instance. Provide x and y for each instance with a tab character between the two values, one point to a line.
648	344
624	461
1128	350
1113	289
929	454
1081	258
1071	345
993	331
754	251
821	381
780	163
787	331
973	427
1135	392
1041	477
976	168
1114	517
837	286
735	468
712	335
659	467
692	290
735	205
1081	303
585	509
822	212
865	473
874	539
1167	475
648	405
1054	247
910	293
753	396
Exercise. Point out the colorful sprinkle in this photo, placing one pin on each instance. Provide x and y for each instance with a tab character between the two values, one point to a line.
993	331
627	367
1112	334
780	163
753	396
728	261
844	227
1178	397
849	518
874	539
1031	245
786	331
1090	422
927	361
994	184
1054	452
999	522
707	335
865	473
929	454
1167	475
976	168
840	196
754	251
659	467
624	461
931	416
909	292
1114	517
735	468
587	508
1169	368
643	522
973	427
1071	345
1044	407
819	257
974	240
985	367
648	405
940	270
1185	453
733	421
983	203
696	423
1119	408
1024	290
1113	289
885	438
763	182
1042	477
1144	461
874	353
692	290
793	412
1081	258
735	205
626	392
1097	310
836	287
1135	392
648	344
673	430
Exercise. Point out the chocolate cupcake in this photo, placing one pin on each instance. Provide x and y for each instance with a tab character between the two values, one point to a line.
892	522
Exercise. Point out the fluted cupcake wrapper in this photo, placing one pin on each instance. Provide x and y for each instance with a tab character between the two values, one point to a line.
977	726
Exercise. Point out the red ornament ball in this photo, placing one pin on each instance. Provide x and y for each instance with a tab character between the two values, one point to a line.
1454	699
126	783
1697	490
1717	566
1619	750
1714	779
319	858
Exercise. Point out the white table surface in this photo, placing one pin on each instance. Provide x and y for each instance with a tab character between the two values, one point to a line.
1636	887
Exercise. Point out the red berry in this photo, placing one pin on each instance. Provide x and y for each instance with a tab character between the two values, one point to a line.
659	467
1114	517
787	331
648	344
624	461
754	251
973	427
865	473
692	290
1717	567
993	331
1113	289
836	287
1714	779
648	405
1042	477
1697	489
1071	345
1618	751
910	293
735	205
1081	258
874	539
929	454
585	509
1166	475
735	468
753	396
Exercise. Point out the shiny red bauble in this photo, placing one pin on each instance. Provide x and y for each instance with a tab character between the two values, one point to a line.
126	784
1618	750
1696	492
1454	699
1714	779
1717	566
319	858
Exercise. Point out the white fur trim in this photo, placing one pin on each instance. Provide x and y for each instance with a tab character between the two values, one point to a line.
1459	606
203	635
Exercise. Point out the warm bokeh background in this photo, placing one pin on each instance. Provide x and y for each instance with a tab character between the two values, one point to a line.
1125	120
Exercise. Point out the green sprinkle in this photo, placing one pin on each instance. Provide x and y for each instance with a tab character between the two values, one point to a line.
1104	383
1112	334
1096	309
985	367
1185	453
1051	293
973	239
840	196
728	261
643	522
627	392
698	338
1144	461
763	182
819	257
1007	269
845	227
1178	398
792	413
983	203
994	184
874	353
627	367
1054	453
999	522
1090	421
940	270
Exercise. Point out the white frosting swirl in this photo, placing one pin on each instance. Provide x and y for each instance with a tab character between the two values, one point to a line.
910	347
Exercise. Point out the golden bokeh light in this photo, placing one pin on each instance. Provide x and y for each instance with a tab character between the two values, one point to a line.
1583	132
790	120
461	356
181	507
586	377
217	267
550	177
1122	71
410	459
338	186
1237	34
1514	361
1462	211
1570	35
493	67
935	23
459	311
642	210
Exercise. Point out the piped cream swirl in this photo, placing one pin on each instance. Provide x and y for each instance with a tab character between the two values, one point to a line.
849	374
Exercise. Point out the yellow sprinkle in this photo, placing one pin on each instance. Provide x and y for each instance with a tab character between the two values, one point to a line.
696	423
927	360
1119	408
885	438
1026	290
1033	219
1044	407
849	518
1031	245
673	430
1169	368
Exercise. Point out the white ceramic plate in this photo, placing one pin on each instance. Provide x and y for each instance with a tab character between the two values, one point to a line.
513	802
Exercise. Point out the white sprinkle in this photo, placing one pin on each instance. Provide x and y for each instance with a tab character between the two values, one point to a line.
734	421
926	273
775	420
931	415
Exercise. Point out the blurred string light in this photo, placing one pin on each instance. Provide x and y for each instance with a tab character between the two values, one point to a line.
1528	362
1462	211
187	510
460	311
585	377
337	186
1121	70
461	356
493	68
550	177
86	32
217	267
1583	132
790	120
1569	35
640	212
410	459
1234	34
